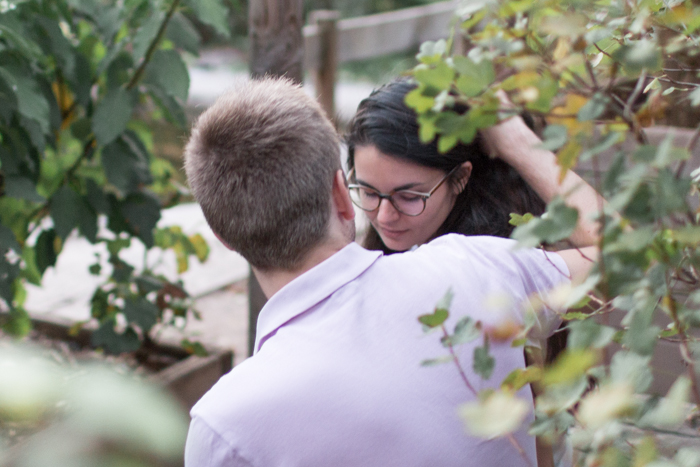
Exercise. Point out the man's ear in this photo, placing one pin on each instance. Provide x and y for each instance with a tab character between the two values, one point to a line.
222	241
341	197
463	174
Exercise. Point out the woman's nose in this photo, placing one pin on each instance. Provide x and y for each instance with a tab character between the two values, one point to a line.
386	211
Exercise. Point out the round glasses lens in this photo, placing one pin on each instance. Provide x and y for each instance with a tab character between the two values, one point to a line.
408	203
365	198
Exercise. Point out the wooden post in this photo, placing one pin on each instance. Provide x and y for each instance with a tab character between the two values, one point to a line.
327	22
276	41
276	49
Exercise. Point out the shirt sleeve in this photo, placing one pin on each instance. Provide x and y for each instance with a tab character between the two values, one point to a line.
541	271
206	448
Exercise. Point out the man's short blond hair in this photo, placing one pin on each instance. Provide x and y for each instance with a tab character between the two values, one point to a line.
261	163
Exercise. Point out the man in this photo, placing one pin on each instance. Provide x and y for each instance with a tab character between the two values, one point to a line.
336	377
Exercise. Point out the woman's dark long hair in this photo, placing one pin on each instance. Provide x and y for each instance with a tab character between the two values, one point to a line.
493	191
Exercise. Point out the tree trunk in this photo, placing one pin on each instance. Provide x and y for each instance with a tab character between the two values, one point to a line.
276	41
276	49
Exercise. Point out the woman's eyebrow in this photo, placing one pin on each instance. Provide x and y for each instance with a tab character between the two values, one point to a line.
407	186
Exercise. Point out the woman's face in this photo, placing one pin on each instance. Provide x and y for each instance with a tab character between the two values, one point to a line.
385	174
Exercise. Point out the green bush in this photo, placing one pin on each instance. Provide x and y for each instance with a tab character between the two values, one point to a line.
79	80
598	73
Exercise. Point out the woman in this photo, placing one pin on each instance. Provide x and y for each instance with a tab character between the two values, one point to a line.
476	197
412	193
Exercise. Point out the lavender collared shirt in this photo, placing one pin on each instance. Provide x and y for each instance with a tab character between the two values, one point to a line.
336	379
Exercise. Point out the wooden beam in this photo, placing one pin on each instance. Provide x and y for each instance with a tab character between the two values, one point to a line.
385	33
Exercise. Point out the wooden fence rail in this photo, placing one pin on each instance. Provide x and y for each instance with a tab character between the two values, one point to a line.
329	41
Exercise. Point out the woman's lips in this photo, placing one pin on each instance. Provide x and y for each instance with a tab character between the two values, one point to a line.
391	233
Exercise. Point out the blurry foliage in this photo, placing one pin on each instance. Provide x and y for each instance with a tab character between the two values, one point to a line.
79	79
596	72
57	414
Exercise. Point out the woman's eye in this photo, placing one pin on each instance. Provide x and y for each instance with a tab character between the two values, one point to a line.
368	194
406	197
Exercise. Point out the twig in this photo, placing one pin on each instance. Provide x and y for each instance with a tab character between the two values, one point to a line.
457	363
633	97
591	73
153	46
455	359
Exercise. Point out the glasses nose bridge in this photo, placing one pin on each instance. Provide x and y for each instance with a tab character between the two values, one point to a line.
390	199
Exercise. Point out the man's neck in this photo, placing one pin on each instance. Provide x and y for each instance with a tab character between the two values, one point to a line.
271	281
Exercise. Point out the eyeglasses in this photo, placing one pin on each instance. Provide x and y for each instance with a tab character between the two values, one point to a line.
410	203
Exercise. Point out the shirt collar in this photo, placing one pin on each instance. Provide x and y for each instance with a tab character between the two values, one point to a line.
312	287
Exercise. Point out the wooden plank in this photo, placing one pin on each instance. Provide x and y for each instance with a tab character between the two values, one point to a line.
385	33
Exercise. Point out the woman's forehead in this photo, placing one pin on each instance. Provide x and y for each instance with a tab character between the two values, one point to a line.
389	172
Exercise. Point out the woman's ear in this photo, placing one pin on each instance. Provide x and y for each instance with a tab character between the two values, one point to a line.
463	174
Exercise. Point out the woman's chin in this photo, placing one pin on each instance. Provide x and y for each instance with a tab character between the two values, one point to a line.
396	244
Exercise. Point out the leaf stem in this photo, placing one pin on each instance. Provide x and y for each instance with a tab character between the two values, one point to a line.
456	361
153	46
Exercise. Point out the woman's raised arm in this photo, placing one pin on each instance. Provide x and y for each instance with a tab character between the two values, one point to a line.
513	142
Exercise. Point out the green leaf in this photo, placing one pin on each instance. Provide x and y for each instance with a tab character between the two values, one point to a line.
570	366
498	414
167	71
87	219
466	330
19	323
631	368
8	240
146	35
112	114
8	274
173	109
517	219
64	211
558	224
418	102
437	361
438	78
672	409
589	334
594	108
641	54
97	198
201	249
694	97
441	313
484	363
142	212
45	253
141	312
641	336
195	348
520	377
30	271
12	34
213	13
22	188
555	136
431	52
30	100
148	284
435	319
446	143
106	337
125	168
183	34
473	77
